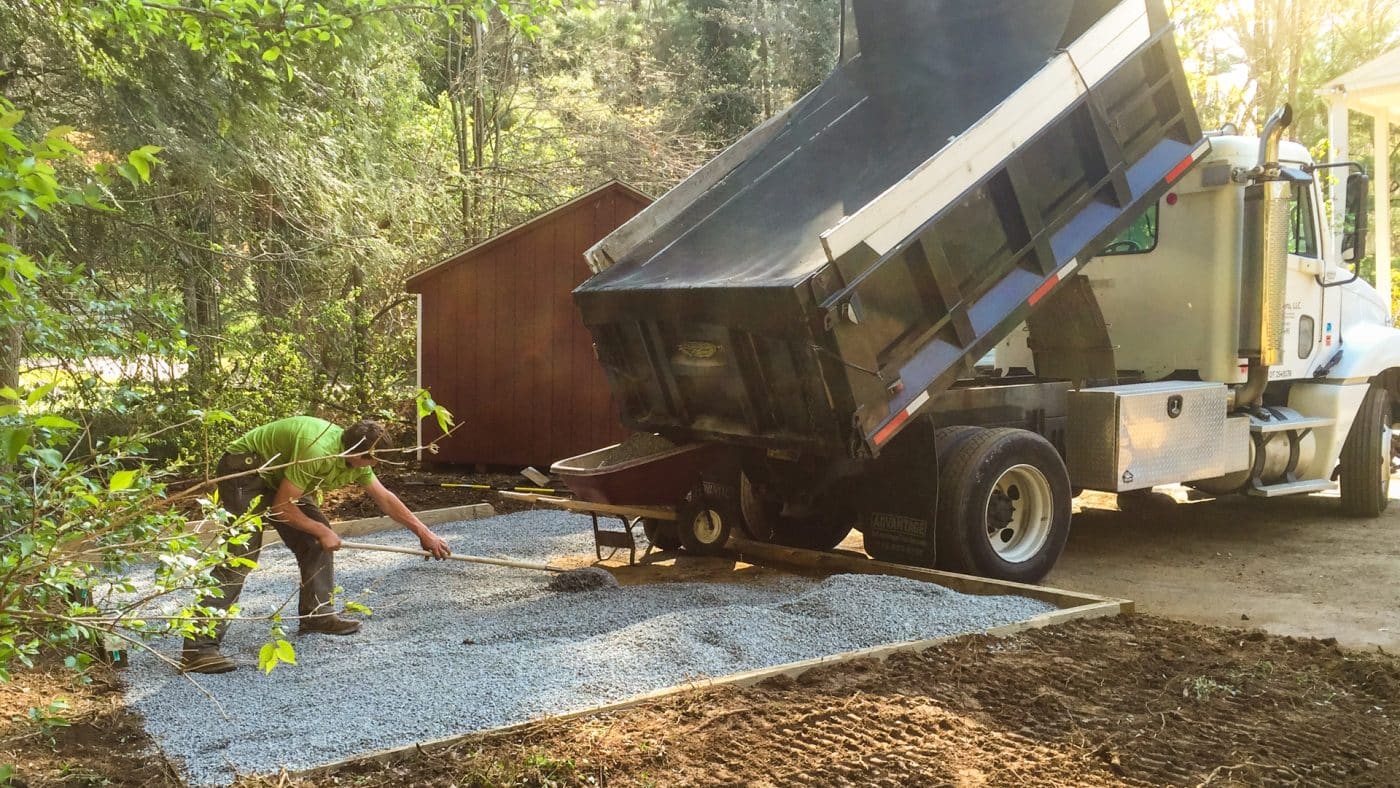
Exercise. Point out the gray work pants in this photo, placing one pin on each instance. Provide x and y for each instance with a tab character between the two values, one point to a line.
316	564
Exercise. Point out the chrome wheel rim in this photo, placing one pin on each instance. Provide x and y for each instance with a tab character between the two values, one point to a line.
1019	512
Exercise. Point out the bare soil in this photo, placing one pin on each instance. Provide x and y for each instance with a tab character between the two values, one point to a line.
1136	701
1153	700
1127	701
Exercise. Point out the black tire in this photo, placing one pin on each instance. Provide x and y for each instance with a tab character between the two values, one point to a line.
1146	502
822	532
1365	460
947	440
989	481
662	534
705	522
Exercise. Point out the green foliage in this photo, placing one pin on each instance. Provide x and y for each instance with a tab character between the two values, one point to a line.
246	37
276	653
49	717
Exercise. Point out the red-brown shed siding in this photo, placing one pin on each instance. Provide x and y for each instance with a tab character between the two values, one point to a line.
502	345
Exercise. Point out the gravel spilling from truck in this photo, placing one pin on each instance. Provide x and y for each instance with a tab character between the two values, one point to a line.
452	648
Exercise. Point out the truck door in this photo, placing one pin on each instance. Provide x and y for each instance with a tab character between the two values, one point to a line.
1306	330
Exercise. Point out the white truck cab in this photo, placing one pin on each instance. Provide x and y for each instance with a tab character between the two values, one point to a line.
1174	290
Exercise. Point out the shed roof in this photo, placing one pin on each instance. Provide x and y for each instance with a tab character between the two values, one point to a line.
416	281
1371	86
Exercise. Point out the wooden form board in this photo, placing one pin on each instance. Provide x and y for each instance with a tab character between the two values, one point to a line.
1072	606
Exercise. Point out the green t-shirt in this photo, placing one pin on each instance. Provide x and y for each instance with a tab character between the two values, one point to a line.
315	442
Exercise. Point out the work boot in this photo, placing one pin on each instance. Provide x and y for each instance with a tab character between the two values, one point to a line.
330	624
206	659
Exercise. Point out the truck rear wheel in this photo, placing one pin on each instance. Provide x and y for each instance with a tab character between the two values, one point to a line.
819	532
1004	506
1365	460
663	534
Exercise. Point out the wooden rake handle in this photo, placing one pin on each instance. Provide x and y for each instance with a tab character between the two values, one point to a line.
471	559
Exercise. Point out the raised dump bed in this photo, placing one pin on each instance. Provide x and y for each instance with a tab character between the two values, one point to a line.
816	283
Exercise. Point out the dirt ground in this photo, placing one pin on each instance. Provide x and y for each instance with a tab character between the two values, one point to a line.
1114	702
1145	700
1137	701
1292	566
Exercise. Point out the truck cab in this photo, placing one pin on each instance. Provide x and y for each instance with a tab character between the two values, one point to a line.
1175	292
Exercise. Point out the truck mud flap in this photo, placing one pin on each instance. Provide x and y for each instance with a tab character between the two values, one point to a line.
898	496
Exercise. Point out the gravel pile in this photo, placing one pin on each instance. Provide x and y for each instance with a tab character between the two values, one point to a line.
454	648
585	579
638	444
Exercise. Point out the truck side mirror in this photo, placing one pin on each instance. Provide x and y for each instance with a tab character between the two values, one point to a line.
1355	221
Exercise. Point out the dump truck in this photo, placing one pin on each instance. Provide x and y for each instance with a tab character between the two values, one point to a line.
990	262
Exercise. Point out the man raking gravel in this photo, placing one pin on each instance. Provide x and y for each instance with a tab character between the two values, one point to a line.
299	456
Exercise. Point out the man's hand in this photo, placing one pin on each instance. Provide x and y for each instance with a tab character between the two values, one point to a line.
390	504
434	544
330	541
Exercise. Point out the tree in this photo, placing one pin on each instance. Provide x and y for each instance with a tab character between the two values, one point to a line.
113	265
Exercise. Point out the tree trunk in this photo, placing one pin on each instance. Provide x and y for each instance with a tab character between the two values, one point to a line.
479	124
201	299
12	336
359	342
454	74
765	69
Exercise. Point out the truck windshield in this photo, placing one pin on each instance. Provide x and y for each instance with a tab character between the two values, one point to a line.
1140	237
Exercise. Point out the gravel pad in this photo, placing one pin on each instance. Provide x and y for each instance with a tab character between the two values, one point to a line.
454	648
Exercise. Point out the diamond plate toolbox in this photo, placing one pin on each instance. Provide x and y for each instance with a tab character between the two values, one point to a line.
1132	437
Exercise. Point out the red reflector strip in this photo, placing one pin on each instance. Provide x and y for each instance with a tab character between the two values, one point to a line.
1041	291
886	432
1186	163
1180	169
1049	284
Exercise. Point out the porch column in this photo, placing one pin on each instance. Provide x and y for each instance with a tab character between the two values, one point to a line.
1337	150
1381	190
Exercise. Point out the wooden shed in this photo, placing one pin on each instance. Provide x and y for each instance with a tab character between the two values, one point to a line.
501	345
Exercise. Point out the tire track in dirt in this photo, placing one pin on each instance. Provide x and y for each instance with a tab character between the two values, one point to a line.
1119	702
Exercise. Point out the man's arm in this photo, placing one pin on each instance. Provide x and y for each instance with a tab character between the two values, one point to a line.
390	504
284	508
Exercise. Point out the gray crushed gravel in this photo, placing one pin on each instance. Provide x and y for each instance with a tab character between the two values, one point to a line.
586	579
454	648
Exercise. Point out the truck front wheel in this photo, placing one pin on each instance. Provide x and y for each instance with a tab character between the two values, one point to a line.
1366	457
1004	506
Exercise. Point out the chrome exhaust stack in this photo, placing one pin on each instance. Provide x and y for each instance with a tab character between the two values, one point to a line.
1266	204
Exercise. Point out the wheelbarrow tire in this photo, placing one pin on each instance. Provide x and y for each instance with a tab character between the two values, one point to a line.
704	524
662	534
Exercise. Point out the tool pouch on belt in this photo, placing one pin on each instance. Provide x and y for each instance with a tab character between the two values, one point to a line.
237	463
